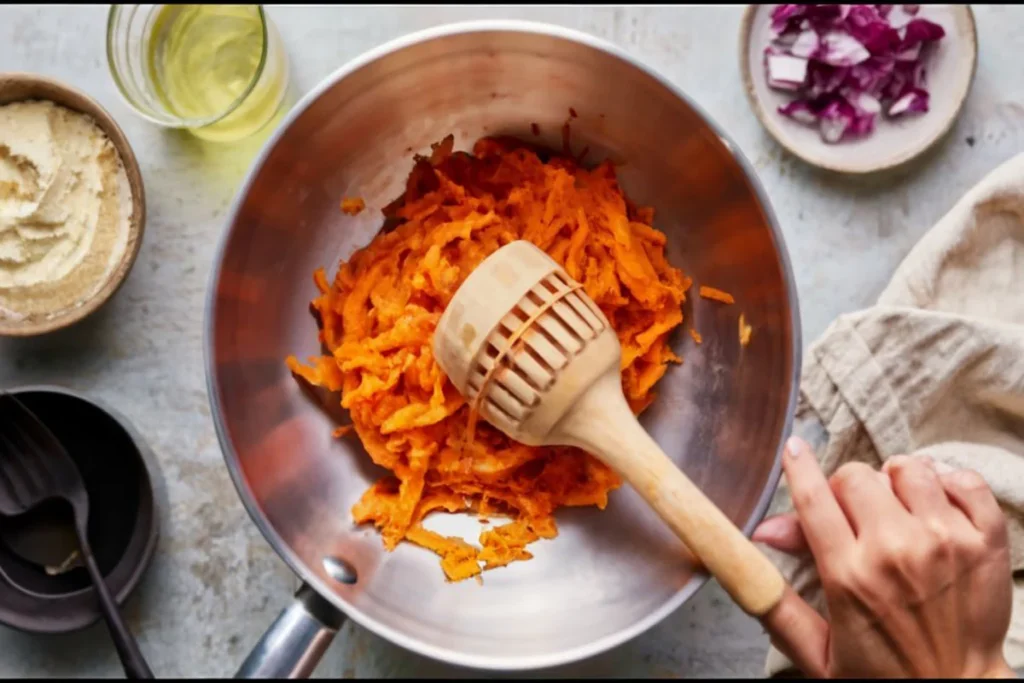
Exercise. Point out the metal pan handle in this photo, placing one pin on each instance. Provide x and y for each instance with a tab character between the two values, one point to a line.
295	642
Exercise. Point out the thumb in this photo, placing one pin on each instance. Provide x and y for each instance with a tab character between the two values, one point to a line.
800	633
782	532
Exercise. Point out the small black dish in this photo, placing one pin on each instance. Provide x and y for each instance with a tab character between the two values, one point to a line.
38	595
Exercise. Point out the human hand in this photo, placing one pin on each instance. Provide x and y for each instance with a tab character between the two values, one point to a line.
914	566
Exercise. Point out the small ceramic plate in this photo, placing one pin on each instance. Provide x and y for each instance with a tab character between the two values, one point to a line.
950	70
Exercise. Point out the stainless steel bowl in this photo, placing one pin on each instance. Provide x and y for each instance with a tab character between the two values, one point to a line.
722	415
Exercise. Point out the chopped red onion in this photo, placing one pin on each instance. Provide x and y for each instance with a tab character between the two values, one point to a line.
848	64
824	79
786	72
842	49
913	102
835	119
921	31
901	16
799	110
806	44
868	26
866	103
783	14
910	54
872	75
785	40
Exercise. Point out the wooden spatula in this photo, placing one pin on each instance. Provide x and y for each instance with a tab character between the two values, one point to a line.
523	342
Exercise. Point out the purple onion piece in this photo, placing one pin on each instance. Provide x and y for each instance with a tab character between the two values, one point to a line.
786	72
841	49
847	64
863	102
823	79
862	124
833	129
875	34
782	15
909	54
921	31
806	45
900	17
913	102
799	110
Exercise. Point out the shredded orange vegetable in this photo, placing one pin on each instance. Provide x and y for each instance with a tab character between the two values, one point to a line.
696	336
745	331
716	295
352	205
377	320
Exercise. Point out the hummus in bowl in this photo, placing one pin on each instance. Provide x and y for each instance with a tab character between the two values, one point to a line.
71	205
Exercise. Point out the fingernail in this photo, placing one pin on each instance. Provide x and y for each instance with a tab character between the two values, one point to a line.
926	460
894	461
794	446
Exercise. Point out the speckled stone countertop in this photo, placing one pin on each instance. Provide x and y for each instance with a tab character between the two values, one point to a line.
215	584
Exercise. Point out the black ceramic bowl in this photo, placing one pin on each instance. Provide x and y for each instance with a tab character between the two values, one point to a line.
35	594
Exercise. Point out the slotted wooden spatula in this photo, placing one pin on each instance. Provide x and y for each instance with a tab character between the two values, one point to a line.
523	342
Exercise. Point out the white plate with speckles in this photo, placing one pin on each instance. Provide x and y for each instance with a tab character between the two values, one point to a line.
950	71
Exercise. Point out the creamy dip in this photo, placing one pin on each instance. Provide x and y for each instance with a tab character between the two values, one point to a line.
65	209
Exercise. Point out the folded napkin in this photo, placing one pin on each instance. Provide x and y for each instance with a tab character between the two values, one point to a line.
935	367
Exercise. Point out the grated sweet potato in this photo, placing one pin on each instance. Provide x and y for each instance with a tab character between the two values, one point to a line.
745	330
716	294
377	320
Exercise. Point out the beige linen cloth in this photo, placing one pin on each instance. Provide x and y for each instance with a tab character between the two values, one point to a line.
935	367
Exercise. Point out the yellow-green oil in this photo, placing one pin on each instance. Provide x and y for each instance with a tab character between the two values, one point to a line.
220	64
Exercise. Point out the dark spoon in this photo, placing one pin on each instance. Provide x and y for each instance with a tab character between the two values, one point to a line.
34	467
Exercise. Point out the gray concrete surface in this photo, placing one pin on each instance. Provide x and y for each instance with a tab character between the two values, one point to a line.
215	584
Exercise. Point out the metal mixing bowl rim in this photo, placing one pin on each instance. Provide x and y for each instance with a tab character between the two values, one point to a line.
493	663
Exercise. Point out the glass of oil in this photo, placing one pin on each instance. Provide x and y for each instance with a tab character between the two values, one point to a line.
219	71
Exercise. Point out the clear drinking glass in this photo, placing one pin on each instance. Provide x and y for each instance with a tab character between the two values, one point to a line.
219	71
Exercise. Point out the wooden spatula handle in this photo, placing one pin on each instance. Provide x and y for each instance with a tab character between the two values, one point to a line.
603	425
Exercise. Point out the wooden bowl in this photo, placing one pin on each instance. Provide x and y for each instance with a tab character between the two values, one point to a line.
950	73
17	87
